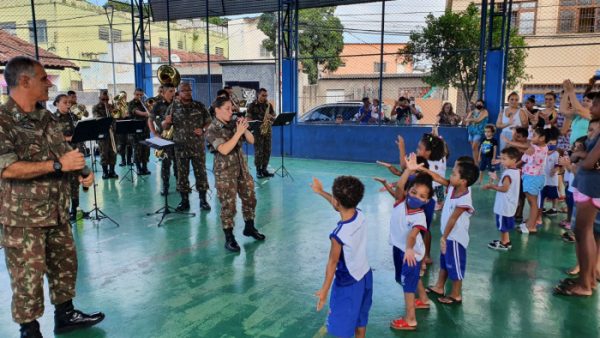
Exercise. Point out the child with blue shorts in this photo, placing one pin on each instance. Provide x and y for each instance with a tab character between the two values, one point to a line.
487	151
455	223
406	224
352	288
507	197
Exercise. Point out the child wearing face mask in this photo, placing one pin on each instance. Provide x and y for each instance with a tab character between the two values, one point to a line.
406	224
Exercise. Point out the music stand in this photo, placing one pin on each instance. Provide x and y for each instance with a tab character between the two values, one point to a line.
89	130
282	120
161	144
130	127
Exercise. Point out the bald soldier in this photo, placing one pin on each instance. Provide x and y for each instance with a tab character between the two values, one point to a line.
36	165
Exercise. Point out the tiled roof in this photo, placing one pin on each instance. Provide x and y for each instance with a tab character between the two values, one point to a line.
11	46
187	59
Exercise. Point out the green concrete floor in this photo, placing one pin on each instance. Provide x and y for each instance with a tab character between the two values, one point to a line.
178	280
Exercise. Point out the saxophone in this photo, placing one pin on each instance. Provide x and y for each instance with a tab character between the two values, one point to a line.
266	123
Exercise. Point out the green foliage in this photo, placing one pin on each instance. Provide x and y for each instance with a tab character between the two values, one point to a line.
451	43
320	41
219	21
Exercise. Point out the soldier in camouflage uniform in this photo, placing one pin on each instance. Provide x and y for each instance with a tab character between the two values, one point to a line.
232	176
141	153
155	121
108	157
190	119
67	122
262	144
35	168
78	109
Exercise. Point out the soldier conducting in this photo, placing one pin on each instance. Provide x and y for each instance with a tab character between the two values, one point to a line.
157	117
232	176
262	144
190	119
108	157
78	109
141	153
35	168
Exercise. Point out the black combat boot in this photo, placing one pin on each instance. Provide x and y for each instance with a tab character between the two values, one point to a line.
122	164
230	242
111	172
184	205
145	170
67	318
266	173
138	168
104	171
259	172
31	330
73	211
251	231
203	203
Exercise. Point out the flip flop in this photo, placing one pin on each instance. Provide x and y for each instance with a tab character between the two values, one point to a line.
567	282
563	290
401	324
419	304
452	301
570	272
430	291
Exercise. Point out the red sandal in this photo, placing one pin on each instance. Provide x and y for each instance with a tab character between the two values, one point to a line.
419	304
401	324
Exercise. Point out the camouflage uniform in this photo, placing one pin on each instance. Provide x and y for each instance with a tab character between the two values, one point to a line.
262	143
67	124
189	146
107	155
159	112
141	153
34	213
79	110
232	176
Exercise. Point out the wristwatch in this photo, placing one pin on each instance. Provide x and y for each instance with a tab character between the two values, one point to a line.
57	167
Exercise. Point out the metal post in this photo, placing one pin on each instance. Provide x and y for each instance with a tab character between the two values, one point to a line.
381	60
508	15
112	44
35	36
482	32
279	54
208	54
169	32
133	34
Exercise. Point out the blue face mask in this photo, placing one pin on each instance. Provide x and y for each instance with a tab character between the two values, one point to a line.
552	147
414	203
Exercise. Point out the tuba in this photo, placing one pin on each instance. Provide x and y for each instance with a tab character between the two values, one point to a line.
167	75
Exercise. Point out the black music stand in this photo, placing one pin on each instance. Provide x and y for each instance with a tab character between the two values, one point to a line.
90	130
130	127
166	209
282	120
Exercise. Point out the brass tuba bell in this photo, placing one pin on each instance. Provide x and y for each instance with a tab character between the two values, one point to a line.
168	74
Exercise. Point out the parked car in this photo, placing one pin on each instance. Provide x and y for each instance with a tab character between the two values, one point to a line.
326	113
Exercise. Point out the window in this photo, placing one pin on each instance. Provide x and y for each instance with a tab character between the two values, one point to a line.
579	16
376	66
42	31
218	50
104	34
9	27
163	42
179	44
522	17
205	49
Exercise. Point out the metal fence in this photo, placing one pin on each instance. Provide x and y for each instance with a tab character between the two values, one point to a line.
345	53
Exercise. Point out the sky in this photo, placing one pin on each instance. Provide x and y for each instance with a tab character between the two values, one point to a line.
362	22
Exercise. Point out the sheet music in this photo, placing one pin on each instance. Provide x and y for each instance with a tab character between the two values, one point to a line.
159	142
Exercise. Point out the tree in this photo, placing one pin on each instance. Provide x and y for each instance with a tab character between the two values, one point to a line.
451	44
320	40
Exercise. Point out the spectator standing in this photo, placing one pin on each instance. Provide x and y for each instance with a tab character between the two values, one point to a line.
447	116
476	119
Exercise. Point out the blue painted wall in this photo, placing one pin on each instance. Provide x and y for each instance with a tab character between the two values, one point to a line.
358	142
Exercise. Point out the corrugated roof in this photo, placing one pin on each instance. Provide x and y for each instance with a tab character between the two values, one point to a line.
190	9
11	46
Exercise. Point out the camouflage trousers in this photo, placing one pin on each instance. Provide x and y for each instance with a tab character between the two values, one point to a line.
262	150
74	185
165	167
32	253
125	146
107	155
141	152
229	186
182	166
